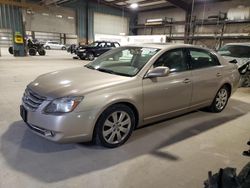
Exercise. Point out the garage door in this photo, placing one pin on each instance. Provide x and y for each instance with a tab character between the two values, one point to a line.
5	37
109	24
51	22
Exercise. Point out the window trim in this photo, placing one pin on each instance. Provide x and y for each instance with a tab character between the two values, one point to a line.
185	54
213	56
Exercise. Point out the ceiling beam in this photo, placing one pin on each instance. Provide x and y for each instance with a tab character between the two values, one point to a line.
180	4
110	4
150	8
53	2
118	1
141	2
24	5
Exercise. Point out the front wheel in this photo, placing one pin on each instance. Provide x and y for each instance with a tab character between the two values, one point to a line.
115	126
220	100
90	56
82	57
32	51
63	48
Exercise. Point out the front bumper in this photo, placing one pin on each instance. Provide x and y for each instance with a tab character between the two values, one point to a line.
66	128
81	54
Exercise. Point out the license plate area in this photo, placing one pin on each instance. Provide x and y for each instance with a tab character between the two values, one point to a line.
23	113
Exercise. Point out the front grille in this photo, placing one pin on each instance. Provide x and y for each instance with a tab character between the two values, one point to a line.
32	100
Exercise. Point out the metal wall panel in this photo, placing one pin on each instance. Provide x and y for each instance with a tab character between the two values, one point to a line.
110	24
10	21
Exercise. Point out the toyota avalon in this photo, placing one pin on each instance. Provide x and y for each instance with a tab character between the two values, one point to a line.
126	88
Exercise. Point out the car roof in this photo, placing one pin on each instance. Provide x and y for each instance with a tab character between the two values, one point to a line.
238	44
106	41
164	45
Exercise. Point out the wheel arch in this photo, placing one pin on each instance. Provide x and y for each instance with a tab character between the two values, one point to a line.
229	86
130	104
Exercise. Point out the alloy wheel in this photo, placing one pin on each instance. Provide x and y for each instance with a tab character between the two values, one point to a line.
221	99
116	127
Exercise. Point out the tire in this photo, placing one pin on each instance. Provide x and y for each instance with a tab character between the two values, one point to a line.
42	52
220	100
245	80
63	48
82	57
90	56
110	130
47	47
11	50
32	51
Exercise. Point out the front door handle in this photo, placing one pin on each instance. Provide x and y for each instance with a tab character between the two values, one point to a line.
218	74
186	81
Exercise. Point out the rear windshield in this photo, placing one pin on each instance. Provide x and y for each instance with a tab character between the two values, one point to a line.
235	51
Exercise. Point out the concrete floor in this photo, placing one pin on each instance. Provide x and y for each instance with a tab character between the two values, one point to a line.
177	153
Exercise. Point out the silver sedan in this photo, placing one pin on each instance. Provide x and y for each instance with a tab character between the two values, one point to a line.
125	88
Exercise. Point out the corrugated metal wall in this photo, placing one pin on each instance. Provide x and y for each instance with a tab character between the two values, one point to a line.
10	21
86	16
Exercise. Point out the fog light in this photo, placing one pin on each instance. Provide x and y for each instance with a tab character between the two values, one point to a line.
49	133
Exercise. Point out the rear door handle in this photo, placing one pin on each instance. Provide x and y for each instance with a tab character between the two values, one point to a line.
186	81
218	74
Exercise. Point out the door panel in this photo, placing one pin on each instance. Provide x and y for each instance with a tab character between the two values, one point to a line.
166	94
206	75
163	95
206	82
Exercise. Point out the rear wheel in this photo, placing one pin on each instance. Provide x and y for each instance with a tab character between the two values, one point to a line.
47	47
63	48
32	51
220	100
11	50
115	126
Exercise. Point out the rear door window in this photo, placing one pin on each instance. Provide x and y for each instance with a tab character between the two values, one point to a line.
102	45
109	45
200	58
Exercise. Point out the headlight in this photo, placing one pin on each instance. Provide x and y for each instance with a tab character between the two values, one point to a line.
63	105
82	50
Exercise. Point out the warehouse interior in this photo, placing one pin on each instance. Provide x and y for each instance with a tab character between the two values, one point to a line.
41	36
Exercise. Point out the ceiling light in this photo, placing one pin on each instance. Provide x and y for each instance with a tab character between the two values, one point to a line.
134	6
155	20
70	18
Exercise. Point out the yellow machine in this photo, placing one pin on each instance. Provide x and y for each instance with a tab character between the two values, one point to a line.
18	38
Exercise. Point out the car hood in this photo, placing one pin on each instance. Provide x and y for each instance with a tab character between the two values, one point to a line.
86	47
74	82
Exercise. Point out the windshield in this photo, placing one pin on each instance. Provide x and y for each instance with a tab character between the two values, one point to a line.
126	61
235	51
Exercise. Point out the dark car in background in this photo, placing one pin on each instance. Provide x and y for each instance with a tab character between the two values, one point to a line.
95	49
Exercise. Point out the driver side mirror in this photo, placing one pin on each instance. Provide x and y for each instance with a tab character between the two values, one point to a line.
158	72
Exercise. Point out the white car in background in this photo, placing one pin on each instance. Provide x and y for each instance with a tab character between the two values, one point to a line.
238	53
54	45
